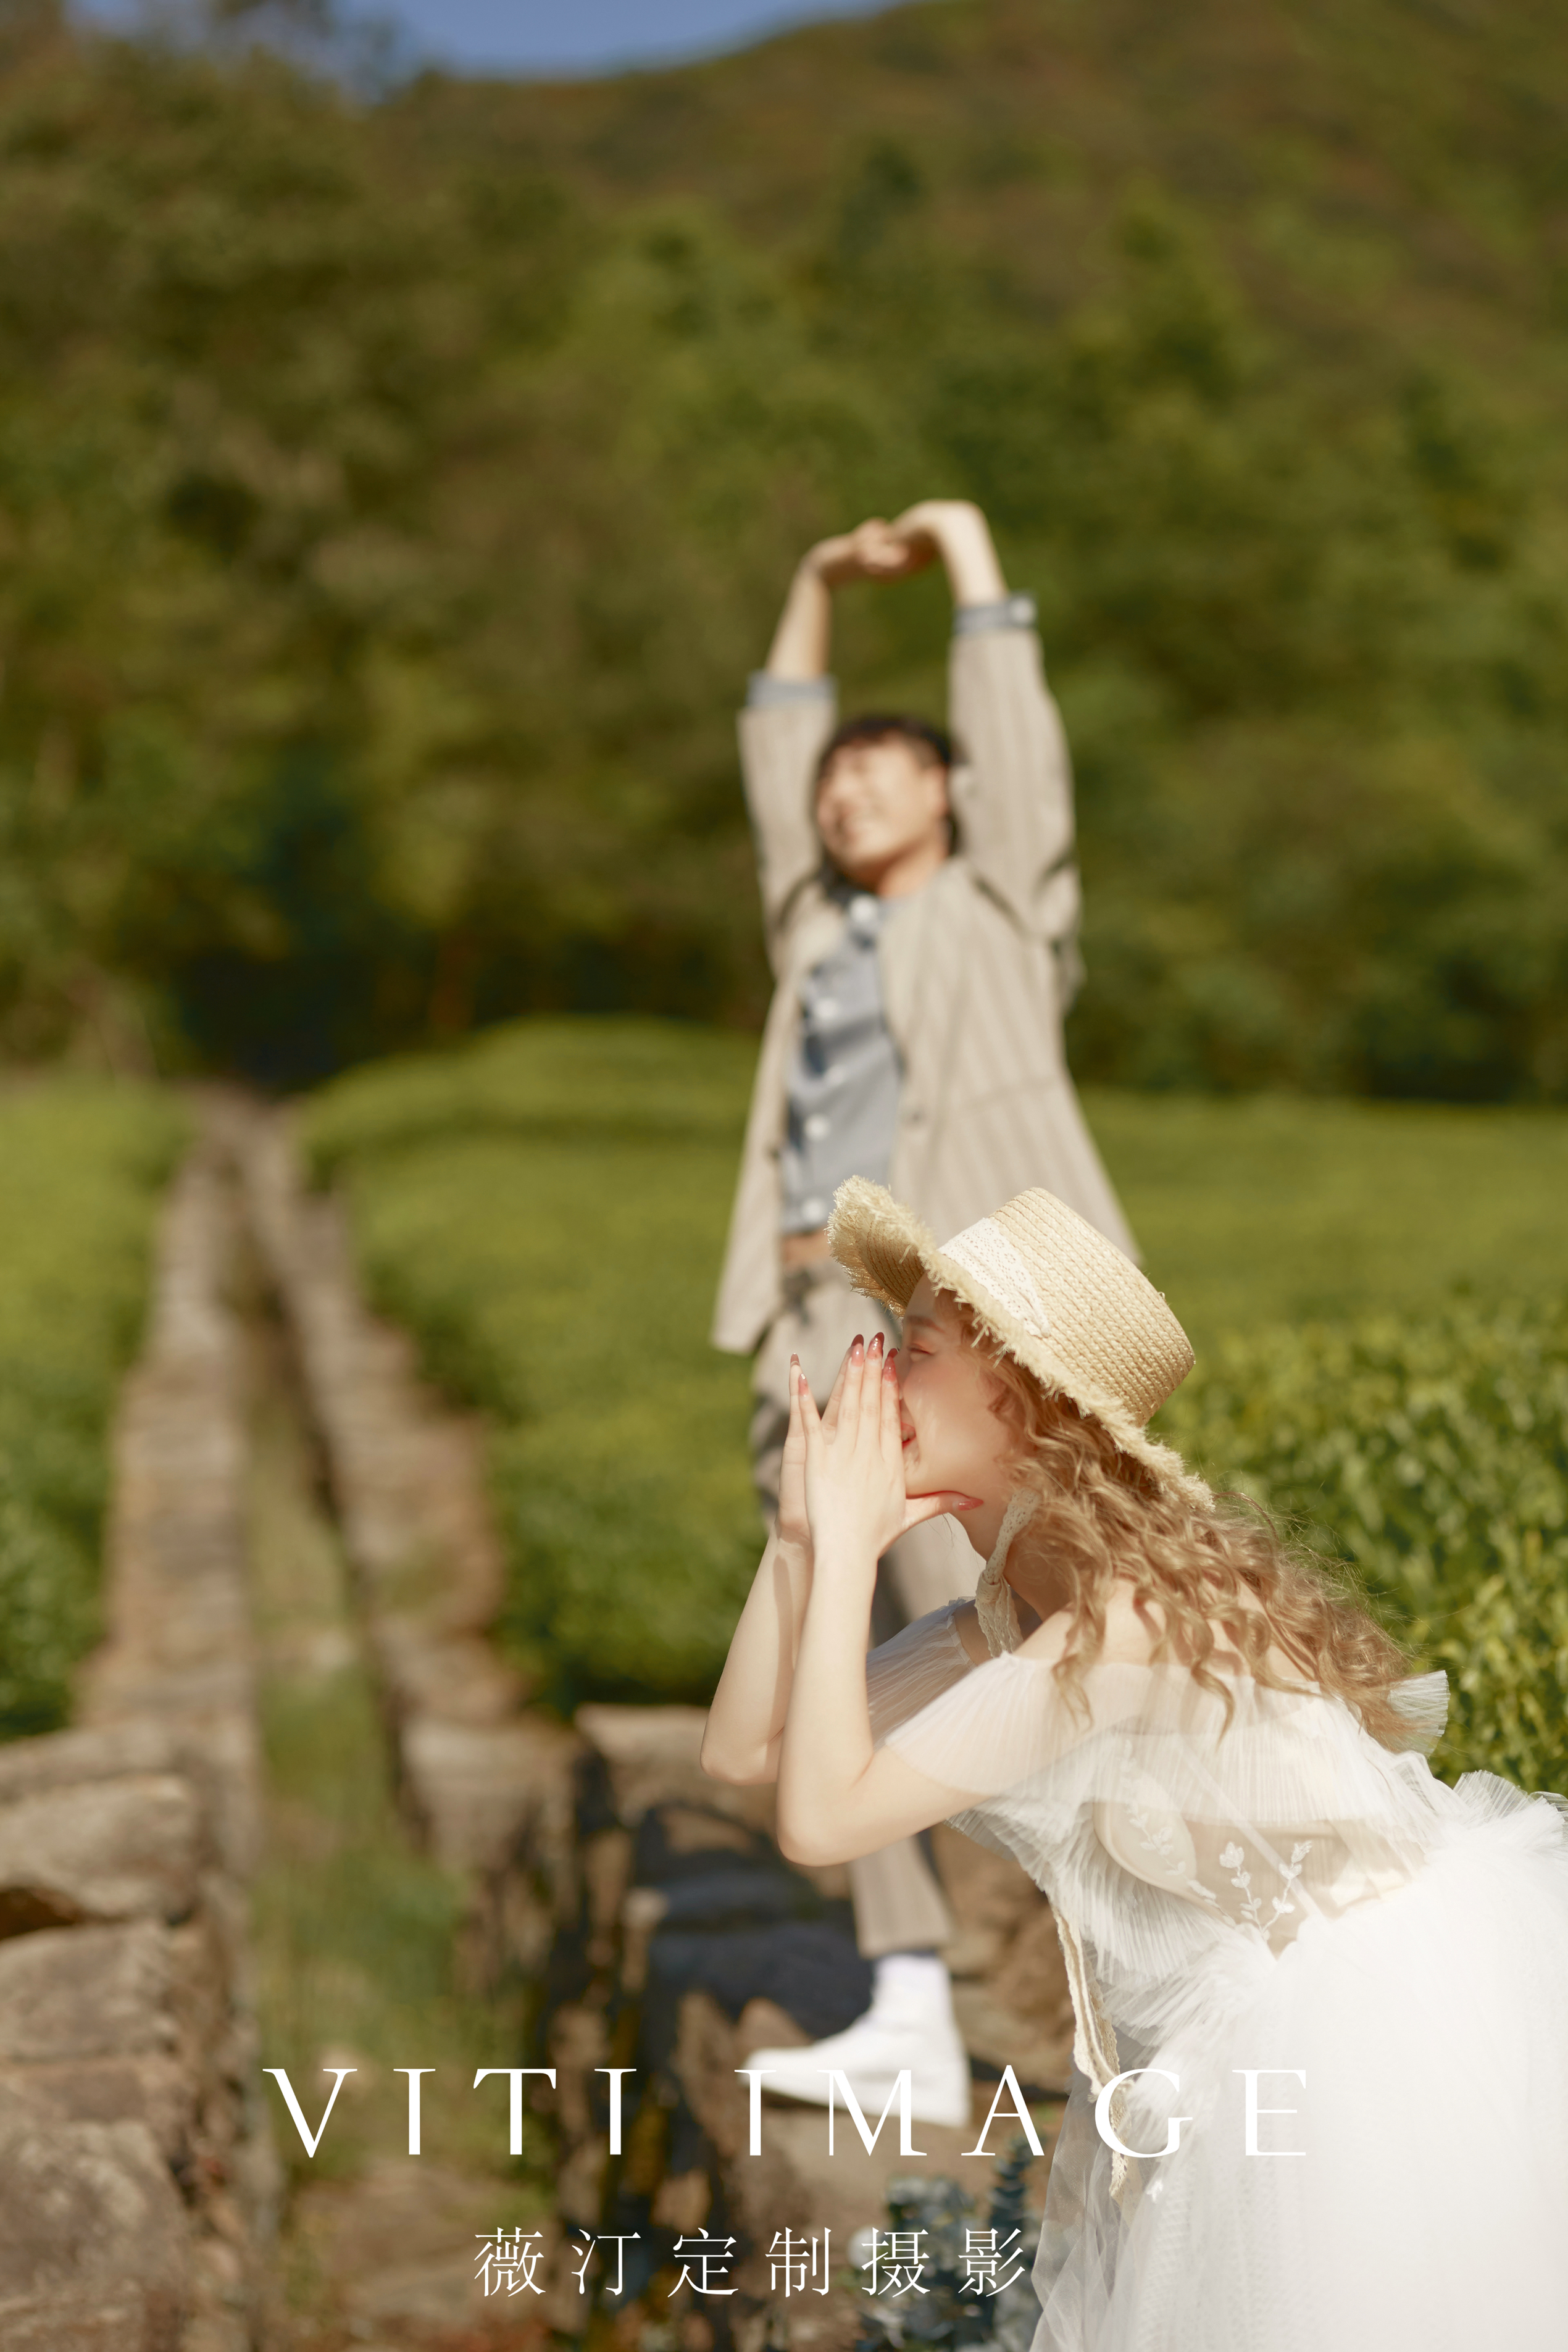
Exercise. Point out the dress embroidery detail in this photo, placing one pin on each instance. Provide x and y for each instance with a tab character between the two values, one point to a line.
1234	1856
1231	1858
1289	1872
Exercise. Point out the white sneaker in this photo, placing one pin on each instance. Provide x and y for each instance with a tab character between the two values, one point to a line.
909	2026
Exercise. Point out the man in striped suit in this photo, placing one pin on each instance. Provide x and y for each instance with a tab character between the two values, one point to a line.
922	904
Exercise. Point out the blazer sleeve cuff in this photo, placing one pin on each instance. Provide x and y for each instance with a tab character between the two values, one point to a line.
1007	613
765	692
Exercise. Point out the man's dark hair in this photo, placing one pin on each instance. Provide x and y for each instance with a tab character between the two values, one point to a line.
931	745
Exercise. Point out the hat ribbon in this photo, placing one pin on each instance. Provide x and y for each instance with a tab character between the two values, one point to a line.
985	1252
995	1605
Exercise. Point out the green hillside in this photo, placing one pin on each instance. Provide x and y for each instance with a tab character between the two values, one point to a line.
1385	177
395	495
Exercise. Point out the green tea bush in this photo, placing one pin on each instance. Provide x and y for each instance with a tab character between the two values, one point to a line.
1431	1456
81	1166
544	1210
627	1079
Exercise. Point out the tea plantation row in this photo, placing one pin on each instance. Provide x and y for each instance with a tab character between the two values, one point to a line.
81	1167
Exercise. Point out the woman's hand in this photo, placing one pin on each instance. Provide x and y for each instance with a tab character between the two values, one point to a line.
793	1524
855	1460
856	1503
835	1793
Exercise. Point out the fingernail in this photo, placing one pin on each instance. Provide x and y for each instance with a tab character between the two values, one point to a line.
858	1345
876	1345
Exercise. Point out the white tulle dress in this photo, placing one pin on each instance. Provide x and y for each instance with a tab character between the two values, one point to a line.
1278	1895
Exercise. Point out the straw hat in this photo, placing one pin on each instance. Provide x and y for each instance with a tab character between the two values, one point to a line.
1062	1301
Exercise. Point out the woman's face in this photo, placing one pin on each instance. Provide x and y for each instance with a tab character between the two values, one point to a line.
954	1440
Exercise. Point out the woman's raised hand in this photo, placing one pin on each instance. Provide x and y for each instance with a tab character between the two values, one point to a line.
793	1526
855	1504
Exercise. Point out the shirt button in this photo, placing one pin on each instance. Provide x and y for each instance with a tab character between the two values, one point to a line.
815	1210
817	1126
825	1008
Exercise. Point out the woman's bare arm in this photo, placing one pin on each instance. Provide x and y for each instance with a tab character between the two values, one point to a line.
746	1719
887	1799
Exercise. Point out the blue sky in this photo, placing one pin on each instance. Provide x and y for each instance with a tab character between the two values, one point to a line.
558	37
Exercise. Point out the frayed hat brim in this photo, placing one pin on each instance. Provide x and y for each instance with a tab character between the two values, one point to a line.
885	1249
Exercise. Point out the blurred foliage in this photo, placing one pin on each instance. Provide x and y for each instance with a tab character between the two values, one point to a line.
543	1209
1272	1209
1433	1457
81	1165
395	492
618	1079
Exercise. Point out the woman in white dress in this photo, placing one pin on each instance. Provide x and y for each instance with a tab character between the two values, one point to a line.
1328	1989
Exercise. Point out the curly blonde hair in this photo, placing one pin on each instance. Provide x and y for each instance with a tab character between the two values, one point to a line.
1101	1514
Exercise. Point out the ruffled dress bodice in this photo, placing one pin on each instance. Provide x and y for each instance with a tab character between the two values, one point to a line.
1159	1814
1258	1884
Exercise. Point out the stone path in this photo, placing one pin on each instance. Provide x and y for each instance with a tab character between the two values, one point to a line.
140	2181
408	1482
377	2248
138	2187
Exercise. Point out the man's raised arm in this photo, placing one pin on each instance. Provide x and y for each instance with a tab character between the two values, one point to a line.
792	707
1012	793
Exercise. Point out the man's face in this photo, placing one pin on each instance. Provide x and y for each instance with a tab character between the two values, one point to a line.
878	806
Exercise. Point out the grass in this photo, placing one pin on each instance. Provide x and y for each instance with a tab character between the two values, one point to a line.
546	1211
82	1165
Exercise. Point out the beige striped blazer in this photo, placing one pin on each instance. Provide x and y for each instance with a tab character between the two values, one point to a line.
977	971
